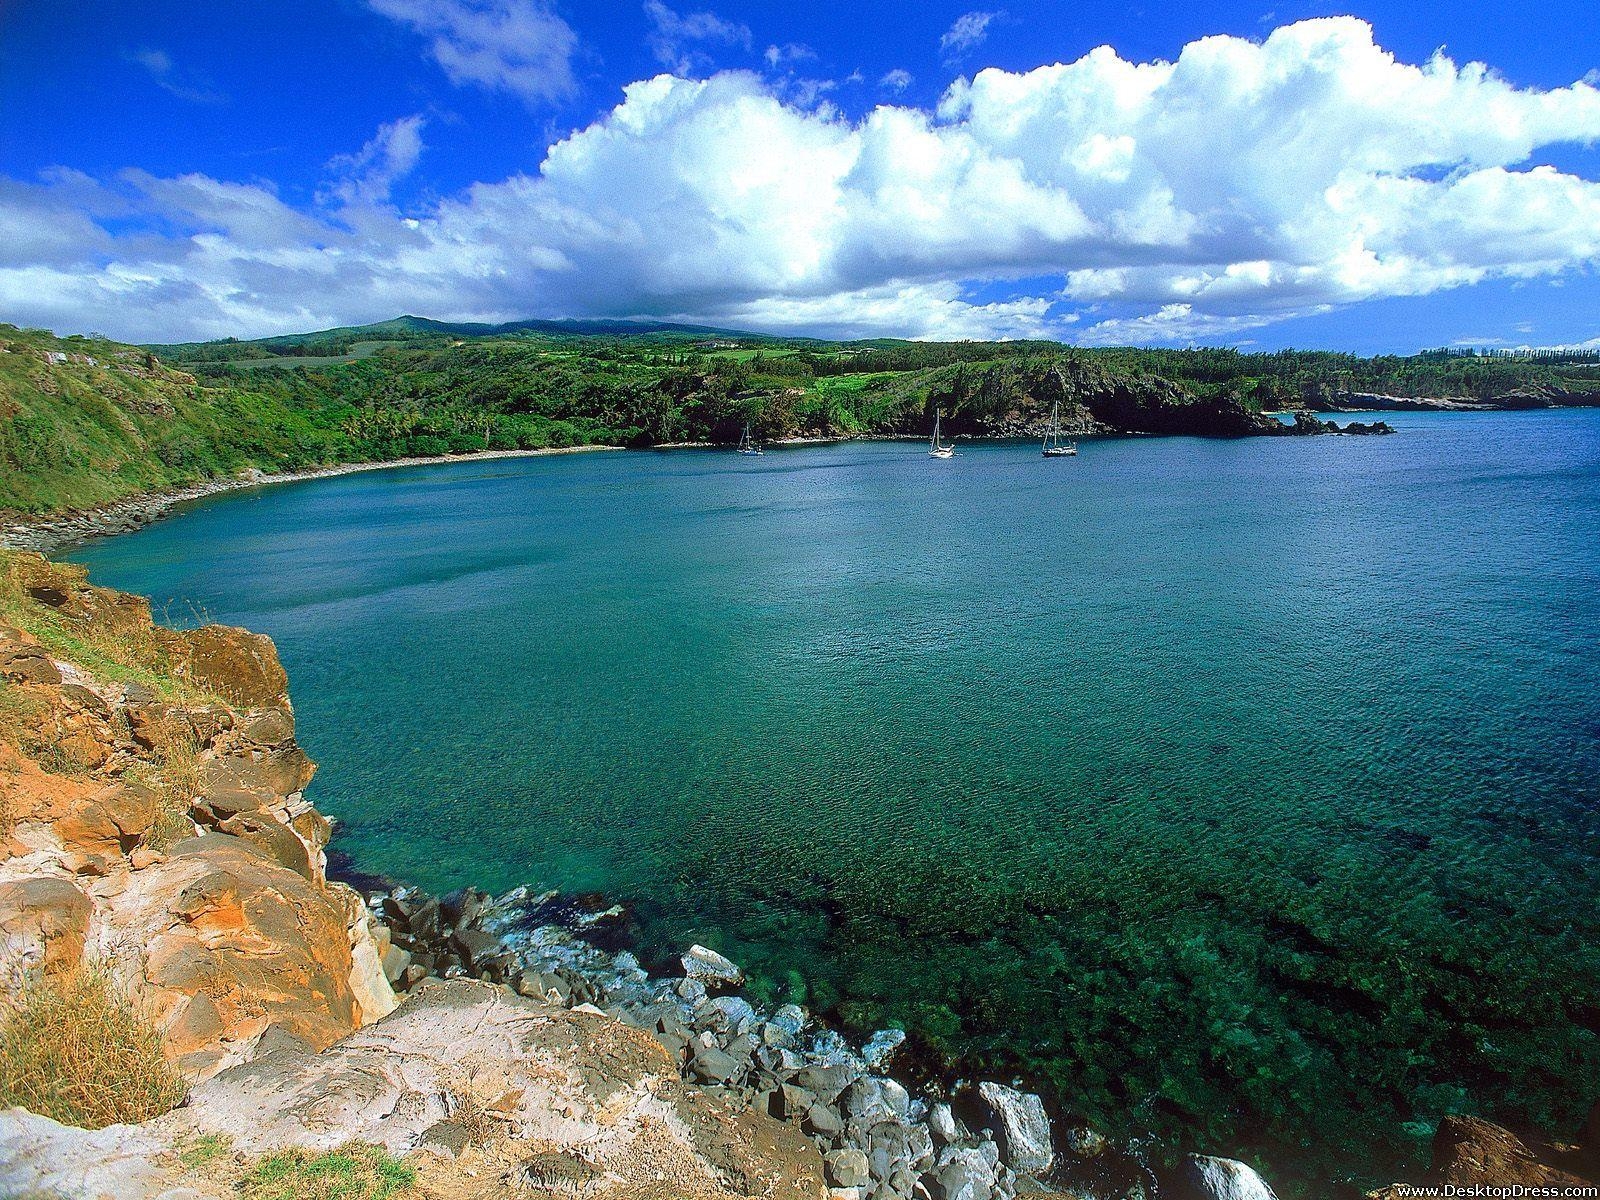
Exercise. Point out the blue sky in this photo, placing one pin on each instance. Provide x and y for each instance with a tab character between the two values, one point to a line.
185	170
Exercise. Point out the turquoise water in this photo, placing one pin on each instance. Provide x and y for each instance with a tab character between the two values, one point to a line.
1239	792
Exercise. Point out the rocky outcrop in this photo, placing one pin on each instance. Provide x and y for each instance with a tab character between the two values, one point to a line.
482	1089
1016	400
164	833
1470	1152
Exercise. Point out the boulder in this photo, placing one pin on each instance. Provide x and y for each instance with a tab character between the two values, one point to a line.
963	1173
847	1168
43	924
1023	1127
1469	1151
709	967
1202	1177
228	941
240	666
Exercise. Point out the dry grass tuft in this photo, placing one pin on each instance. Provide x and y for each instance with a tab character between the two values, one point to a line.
352	1172
74	1050
176	777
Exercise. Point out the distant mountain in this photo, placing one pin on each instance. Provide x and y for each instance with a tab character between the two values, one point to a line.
411	328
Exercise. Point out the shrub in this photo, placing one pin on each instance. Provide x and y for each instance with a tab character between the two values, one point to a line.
352	1172
74	1050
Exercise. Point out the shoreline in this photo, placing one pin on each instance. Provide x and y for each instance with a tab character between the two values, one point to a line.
51	534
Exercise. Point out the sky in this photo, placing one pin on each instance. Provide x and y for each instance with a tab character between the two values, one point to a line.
1379	176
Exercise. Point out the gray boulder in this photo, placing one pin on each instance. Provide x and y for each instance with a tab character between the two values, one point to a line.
709	967
1202	1177
963	1174
1023	1126
848	1168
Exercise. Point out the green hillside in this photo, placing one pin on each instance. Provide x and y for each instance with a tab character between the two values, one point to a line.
84	421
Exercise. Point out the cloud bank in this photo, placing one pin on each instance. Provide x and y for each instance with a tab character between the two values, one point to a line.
1241	184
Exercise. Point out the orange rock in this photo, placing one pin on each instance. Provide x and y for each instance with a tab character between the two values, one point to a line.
44	922
236	664
231	942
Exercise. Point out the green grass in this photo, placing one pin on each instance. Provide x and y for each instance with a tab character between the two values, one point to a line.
352	1172
123	652
204	1150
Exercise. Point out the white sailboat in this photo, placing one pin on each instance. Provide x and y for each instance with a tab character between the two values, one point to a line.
747	444
936	448
1054	447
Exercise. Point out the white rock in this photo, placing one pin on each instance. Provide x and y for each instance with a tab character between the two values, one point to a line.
1208	1178
710	967
1024	1126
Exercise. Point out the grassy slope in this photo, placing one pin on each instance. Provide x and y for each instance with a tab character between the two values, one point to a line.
112	421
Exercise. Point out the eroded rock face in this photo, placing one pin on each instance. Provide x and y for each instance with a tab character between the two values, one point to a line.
1469	1150
217	936
583	1094
227	942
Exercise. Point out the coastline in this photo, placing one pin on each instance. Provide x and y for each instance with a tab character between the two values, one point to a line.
62	531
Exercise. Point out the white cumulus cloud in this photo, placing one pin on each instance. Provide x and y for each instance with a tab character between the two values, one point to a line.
1103	199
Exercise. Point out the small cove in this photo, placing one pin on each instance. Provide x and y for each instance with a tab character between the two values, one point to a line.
1240	792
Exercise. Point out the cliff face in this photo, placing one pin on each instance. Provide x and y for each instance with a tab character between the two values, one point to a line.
1016	400
163	834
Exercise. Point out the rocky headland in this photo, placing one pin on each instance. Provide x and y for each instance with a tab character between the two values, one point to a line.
155	835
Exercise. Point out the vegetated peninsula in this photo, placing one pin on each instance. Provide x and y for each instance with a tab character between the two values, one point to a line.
86	422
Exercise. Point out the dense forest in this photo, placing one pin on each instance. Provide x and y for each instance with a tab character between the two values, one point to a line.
84	420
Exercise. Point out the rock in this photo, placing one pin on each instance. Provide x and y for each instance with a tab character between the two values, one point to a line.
1080	1141
945	1126
823	1121
43	924
240	666
43	1160
881	1046
565	1083
828	1081
1469	1151
228	942
476	946
709	967
24	663
1023	1125
711	1065
847	1168
273	838
1202	1177
963	1174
